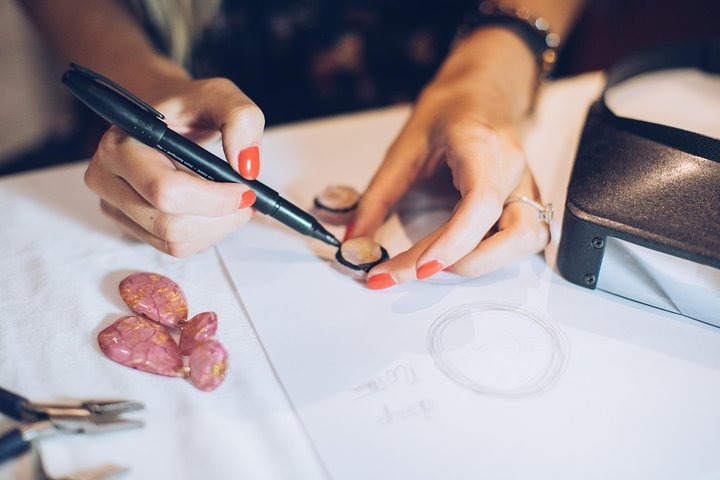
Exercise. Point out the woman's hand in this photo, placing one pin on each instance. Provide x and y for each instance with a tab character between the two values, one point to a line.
150	196
160	202
467	118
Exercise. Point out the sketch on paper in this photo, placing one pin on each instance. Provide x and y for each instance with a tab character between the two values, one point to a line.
498	349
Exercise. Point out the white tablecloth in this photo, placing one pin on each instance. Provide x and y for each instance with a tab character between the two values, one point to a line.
60	265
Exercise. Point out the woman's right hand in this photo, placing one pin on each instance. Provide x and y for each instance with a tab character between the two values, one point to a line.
160	202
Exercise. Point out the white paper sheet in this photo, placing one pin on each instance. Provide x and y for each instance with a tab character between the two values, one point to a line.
538	379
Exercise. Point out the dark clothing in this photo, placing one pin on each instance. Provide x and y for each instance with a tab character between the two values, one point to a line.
307	58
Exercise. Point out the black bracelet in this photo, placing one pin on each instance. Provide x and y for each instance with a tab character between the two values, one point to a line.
533	31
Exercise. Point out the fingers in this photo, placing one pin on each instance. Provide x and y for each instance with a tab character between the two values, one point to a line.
520	233
473	217
176	244
156	200
154	177
177	235
400	268
170	209
485	169
217	104
402	164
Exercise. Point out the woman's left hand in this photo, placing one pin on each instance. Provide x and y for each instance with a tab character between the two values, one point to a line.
466	122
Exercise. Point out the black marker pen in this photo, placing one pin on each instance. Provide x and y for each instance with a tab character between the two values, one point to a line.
123	109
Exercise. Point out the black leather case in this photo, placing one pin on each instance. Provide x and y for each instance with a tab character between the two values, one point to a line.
649	184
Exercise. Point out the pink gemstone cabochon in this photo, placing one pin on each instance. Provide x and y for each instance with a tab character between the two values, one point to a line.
142	344
156	297
199	328
208	365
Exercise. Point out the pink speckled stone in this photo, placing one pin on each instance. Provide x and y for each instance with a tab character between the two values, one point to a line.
156	297
142	344
199	328
208	364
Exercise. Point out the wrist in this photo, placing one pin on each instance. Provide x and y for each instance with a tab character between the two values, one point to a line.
533	30
491	63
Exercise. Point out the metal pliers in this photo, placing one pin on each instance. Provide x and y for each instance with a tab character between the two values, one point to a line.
39	420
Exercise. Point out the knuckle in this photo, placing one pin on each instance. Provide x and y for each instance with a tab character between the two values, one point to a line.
531	239
217	84
91	175
249	116
457	132
109	143
466	127
162	194
112	149
177	249
170	228
487	135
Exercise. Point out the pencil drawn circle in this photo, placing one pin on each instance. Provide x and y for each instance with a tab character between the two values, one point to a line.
498	349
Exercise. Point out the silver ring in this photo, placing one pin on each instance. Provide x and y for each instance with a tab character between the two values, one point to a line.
545	212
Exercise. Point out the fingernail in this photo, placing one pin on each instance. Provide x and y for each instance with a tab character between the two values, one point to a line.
247	199
448	269
349	231
380	281
428	269
249	162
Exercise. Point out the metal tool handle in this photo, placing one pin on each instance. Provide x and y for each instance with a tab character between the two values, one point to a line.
12	444
11	404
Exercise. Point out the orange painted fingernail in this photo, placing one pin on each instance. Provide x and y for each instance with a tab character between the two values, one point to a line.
247	199
349	231
249	162
428	269
380	281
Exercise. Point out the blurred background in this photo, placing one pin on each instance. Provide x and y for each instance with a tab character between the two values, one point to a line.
41	126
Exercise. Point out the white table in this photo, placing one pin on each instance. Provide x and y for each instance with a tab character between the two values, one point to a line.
61	262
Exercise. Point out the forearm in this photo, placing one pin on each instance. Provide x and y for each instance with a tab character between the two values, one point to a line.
104	36
495	61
